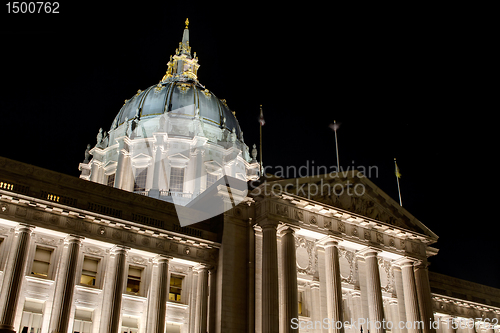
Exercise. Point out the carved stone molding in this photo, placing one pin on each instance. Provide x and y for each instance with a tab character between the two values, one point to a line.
307	258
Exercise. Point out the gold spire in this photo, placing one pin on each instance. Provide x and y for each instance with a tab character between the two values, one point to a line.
187	23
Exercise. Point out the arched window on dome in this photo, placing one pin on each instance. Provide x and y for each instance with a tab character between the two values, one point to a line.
176	179
141	175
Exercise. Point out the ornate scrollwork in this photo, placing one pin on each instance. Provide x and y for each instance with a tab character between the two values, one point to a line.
349	256
312	257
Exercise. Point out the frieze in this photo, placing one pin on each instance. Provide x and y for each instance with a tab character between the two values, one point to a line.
95	227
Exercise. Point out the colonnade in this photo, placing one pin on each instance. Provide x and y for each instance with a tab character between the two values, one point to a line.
417	299
114	284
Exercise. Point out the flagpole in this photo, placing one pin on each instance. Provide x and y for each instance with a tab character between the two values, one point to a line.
336	145
397	179
260	150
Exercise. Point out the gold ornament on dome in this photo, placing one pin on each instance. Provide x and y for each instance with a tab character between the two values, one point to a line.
183	88
207	93
187	23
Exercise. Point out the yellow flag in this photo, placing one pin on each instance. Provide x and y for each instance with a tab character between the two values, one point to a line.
398	174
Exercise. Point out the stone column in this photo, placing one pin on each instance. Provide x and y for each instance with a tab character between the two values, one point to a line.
394	310
202	300
289	266
121	167
158	295
212	297
315	302
471	325
113	289
447	324
14	277
65	285
270	296
374	291
424	296
410	295
356	309
157	151
333	285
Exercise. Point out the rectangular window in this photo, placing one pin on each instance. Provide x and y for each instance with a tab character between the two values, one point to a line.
211	179
177	179
111	180
173	328
134	279
175	288
83	321
141	175
89	271
41	263
31	320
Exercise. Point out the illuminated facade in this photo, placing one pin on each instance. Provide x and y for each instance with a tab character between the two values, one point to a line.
103	254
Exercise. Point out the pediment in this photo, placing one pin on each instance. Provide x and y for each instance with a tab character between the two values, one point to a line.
353	192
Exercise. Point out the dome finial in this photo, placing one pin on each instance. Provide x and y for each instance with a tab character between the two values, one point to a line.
187	23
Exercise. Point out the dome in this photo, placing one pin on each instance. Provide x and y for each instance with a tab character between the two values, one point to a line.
180	95
182	99
172	141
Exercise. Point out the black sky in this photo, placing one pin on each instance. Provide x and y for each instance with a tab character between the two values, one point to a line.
406	83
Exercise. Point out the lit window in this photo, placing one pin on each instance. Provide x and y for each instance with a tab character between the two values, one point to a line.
140	179
211	179
31	320
176	179
134	279
175	288
111	180
89	271
130	325
41	263
83	321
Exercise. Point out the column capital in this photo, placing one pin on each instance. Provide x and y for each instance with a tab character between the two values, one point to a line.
161	258
119	249
286	228
202	267
73	239
329	241
404	262
268	223
23	227
368	252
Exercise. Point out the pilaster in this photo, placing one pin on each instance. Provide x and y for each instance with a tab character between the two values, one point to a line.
374	291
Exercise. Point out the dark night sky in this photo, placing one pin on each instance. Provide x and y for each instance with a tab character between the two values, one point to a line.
412	86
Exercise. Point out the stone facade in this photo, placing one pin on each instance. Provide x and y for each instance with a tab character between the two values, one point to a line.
272	261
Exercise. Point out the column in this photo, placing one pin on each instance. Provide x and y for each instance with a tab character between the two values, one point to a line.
157	151
394	310
113	289
158	295
375	303
270	296
447	324
356	311
424	296
289	264
212	297
316	309
14	277
121	167
410	295
471	325
333	285
202	301
65	284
